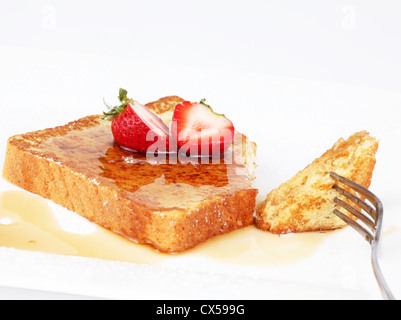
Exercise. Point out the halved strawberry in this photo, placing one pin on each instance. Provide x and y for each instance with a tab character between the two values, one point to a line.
136	128
198	131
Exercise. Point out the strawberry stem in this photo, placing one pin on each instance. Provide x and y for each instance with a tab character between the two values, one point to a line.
203	101
114	111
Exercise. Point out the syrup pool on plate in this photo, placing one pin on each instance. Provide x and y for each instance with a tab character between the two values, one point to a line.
28	223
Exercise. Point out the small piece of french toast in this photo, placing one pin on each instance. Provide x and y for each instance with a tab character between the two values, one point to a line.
306	202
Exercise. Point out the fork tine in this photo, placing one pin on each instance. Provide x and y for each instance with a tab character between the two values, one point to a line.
368	235
358	188
364	218
364	232
362	204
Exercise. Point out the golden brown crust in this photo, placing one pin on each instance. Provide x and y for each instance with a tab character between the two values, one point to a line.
165	107
172	230
165	104
306	202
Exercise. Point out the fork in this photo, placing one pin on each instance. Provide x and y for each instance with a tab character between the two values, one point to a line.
368	223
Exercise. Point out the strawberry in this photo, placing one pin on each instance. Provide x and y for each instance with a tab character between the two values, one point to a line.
136	128
198	131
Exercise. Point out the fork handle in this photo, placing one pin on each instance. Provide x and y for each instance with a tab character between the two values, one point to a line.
385	290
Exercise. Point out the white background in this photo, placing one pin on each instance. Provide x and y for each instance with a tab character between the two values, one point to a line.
294	75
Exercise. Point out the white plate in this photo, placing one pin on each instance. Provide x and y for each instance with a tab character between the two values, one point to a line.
293	121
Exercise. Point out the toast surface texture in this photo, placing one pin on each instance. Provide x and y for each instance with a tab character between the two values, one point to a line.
168	205
306	201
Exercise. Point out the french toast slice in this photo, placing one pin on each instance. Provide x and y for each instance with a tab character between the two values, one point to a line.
306	201
168	205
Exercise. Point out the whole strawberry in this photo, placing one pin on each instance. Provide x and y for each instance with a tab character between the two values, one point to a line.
136	128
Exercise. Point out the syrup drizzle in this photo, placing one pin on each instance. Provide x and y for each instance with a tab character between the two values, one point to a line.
162	184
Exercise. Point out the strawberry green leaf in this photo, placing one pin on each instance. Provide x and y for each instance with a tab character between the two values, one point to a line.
122	95
114	111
